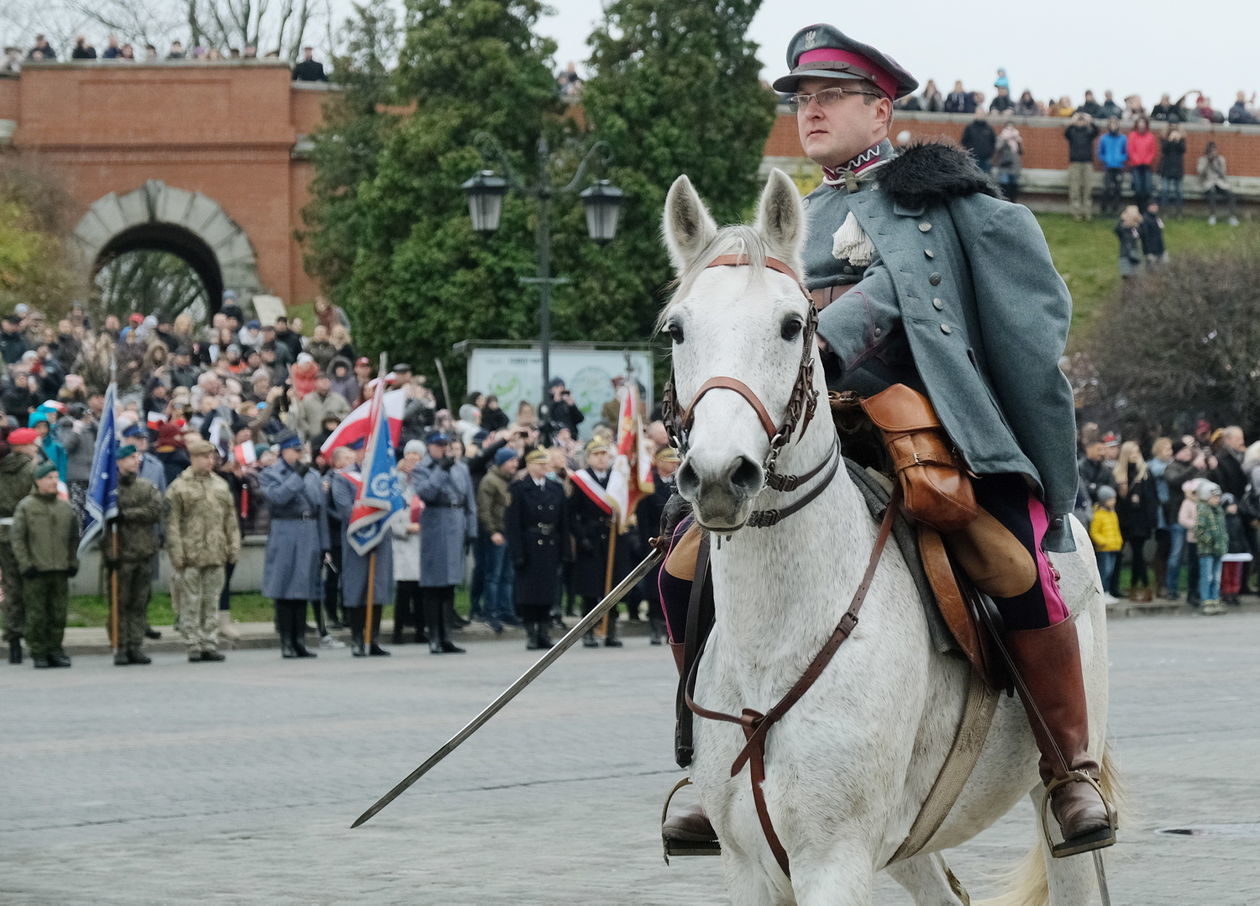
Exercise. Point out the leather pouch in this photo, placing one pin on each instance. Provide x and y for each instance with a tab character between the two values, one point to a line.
936	488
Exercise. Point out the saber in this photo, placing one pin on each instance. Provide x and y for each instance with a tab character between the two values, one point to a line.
583	626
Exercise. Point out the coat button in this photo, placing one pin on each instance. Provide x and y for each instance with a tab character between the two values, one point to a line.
929	254
879	332
848	269
924	227
938	304
946	329
935	279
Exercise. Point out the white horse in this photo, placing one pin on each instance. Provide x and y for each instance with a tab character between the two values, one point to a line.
848	768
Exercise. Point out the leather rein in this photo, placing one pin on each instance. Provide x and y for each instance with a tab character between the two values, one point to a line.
800	410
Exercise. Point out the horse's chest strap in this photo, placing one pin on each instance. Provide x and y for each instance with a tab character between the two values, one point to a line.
756	726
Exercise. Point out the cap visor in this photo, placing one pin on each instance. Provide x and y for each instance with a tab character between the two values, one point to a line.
792	79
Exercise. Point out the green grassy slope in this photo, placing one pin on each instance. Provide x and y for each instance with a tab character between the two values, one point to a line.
1086	255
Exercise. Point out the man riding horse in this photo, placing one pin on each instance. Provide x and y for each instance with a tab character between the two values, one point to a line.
925	278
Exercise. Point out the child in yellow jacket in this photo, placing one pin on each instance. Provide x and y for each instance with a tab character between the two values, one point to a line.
1104	531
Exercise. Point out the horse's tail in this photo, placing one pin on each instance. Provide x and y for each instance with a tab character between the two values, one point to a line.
1026	883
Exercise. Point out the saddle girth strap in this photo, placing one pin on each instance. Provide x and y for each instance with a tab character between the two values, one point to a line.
756	726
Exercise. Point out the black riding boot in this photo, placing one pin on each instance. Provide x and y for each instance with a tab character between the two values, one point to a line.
15	651
284	626
611	640
402	611
531	636
544	636
374	648
297	629
354	616
589	640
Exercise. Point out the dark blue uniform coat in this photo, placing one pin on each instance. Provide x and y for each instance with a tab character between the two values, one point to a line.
536	529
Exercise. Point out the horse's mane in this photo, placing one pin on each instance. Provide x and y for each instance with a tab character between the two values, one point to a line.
740	239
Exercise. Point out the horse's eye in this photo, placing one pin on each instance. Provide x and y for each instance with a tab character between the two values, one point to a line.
791	327
675	331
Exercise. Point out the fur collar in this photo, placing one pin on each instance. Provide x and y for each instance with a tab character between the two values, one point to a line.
930	173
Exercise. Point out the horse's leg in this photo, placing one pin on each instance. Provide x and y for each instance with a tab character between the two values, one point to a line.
842	876
927	879
1072	881
747	883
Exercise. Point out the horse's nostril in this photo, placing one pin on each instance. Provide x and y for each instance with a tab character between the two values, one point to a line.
746	476
687	478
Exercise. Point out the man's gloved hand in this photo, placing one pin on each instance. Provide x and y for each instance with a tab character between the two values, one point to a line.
1058	538
74	571
302	468
446	462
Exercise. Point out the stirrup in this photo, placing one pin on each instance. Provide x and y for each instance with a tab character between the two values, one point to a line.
1103	837
684	847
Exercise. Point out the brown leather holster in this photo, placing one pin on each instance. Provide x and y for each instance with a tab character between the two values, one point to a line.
935	485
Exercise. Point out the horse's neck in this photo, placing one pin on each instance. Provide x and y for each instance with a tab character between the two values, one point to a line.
779	591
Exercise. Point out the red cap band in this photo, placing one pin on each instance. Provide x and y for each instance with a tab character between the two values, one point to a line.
870	70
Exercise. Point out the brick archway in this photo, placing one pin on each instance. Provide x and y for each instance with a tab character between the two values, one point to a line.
168	219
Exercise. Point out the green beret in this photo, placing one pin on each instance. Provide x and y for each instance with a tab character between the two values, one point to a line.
44	468
124	450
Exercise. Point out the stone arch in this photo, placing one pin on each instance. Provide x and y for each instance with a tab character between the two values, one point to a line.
163	218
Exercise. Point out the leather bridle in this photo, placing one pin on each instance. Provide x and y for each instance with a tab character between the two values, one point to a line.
799	412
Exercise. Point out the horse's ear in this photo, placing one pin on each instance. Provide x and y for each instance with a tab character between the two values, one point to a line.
781	216
688	226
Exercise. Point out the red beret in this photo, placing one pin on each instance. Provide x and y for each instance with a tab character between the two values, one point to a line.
19	437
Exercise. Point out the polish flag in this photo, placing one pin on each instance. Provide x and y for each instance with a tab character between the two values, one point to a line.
355	427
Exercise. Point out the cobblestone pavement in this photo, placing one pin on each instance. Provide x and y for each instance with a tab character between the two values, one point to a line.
237	782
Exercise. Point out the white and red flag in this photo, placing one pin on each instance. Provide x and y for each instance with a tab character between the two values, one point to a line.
379	495
355	427
630	479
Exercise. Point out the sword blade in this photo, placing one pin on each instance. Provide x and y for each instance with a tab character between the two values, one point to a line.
570	638
1102	878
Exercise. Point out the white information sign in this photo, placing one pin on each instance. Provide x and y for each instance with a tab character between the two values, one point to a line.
516	374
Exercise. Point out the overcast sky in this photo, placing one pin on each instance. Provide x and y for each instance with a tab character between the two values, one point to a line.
1055	48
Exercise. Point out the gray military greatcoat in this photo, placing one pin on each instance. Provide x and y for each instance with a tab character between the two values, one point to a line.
298	536
354	567
448	522
964	280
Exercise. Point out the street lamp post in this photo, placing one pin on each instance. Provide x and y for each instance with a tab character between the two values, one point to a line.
602	200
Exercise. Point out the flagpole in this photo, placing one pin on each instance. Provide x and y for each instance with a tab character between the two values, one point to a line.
608	568
113	588
371	586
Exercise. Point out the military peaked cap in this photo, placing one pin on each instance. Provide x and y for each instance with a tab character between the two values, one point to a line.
824	52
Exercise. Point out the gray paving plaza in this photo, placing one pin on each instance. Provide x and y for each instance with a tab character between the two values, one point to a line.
237	782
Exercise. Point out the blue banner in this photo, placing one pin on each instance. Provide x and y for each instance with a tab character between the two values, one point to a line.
102	495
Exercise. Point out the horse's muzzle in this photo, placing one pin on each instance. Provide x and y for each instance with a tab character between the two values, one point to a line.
721	492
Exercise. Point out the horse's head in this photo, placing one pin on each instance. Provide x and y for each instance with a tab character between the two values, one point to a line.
742	331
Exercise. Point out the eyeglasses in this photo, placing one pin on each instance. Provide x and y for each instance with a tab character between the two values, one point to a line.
828	97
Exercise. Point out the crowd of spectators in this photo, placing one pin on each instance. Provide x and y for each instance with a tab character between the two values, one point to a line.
308	69
1189	503
246	388
1184	109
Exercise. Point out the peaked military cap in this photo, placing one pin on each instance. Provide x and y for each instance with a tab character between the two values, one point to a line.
598	446
824	52
667	454
538	454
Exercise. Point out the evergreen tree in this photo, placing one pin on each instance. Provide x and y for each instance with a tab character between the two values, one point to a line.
421	279
675	90
347	146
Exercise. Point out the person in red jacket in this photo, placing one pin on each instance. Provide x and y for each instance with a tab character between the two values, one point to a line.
1142	152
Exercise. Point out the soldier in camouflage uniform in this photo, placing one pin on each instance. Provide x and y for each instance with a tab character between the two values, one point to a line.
131	554
17	477
202	536
45	539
